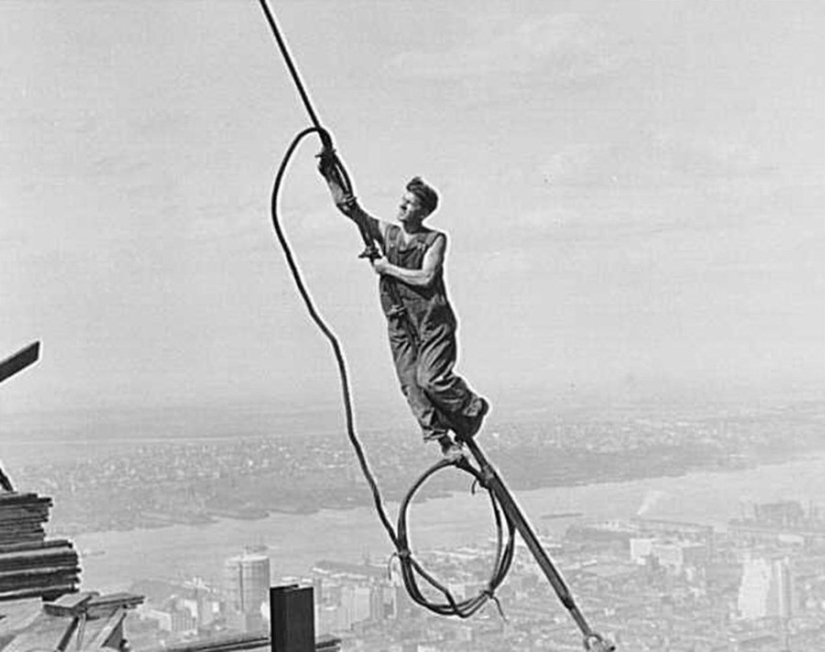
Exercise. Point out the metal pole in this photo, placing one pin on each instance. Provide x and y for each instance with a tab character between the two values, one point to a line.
592	641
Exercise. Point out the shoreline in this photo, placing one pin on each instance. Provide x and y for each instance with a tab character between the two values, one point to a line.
210	517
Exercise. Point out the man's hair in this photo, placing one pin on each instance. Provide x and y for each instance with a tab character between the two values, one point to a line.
426	195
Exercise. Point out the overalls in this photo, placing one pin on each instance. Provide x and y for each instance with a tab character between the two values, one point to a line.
422	329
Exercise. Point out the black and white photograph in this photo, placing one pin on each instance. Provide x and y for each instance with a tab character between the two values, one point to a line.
412	325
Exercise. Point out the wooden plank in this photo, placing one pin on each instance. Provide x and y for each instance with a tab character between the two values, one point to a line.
69	605
105	604
23	560
22	536
51	592
9	516
39	576
48	586
36	545
15	497
30	564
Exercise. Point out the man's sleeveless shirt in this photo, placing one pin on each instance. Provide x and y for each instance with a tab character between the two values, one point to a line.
427	307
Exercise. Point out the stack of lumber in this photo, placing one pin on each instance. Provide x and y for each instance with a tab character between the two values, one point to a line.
31	566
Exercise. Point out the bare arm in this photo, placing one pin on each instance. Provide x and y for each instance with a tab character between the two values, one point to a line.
348	206
431	266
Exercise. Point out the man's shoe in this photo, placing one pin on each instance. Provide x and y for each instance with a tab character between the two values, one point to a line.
452	452
445	441
450	449
473	424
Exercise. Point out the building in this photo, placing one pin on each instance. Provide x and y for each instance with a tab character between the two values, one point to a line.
767	589
782	523
246	590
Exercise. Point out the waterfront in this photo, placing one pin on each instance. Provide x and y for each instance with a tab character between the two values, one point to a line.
296	541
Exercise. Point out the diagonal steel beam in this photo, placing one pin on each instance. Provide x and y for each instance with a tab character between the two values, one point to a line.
593	642
18	361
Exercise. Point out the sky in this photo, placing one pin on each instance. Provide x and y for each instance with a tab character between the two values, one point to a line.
633	192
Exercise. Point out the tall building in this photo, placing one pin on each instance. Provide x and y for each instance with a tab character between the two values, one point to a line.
782	599
246	586
767	589
356	604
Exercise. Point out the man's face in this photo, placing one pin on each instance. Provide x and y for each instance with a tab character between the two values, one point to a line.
409	209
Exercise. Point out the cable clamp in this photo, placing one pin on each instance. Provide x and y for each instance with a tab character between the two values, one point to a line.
402	554
490	594
595	643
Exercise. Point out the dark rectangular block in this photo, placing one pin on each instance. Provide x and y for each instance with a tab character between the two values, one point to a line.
19	361
292	617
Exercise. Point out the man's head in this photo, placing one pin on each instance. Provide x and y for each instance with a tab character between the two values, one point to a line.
418	201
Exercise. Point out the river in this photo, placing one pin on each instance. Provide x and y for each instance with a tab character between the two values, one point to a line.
112	560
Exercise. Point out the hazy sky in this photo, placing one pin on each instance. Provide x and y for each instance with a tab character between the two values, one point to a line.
634	193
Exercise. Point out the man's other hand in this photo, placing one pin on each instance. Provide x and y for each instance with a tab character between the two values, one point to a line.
380	265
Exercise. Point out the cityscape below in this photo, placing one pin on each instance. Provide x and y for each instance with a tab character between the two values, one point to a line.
749	578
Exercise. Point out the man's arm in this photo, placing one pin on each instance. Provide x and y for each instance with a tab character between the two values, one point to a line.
349	207
431	266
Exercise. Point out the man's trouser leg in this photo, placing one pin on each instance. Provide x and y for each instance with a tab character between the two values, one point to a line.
447	391
405	357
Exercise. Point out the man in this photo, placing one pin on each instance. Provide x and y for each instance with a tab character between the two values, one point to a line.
420	320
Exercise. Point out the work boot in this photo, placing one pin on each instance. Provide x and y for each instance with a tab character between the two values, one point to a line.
451	450
480	408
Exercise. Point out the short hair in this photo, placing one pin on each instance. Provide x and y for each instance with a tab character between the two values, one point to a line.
426	195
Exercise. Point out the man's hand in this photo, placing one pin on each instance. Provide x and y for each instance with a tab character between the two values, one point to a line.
327	163
430	270
380	265
329	167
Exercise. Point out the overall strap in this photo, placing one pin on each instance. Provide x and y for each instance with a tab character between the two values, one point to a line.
392	235
429	239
